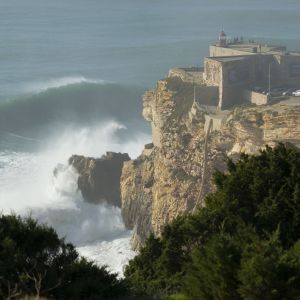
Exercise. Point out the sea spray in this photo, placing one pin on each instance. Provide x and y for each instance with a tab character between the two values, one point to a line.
40	114
40	130
30	185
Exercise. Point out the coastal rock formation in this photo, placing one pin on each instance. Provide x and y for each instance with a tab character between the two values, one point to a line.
191	141
99	179
137	186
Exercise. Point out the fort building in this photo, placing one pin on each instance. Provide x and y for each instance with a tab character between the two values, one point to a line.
237	68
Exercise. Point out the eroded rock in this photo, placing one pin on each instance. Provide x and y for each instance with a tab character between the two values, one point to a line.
99	178
190	142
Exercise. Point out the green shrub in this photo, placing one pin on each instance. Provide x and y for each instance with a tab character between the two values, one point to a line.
176	297
34	261
243	245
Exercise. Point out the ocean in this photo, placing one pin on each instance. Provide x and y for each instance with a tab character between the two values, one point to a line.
72	74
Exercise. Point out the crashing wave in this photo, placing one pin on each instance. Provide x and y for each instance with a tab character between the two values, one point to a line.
35	116
41	86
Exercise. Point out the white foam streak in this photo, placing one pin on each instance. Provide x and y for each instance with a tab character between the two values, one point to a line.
43	85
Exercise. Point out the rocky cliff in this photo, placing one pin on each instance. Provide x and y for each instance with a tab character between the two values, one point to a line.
190	141
99	179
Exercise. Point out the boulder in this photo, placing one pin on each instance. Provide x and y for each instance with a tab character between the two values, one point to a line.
99	178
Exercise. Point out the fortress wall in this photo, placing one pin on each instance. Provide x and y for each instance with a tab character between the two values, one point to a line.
192	75
231	89
212	72
261	70
221	51
236	76
255	98
207	95
285	65
230	96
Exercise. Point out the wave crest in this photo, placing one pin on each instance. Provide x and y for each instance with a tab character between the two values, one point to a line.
42	86
37	115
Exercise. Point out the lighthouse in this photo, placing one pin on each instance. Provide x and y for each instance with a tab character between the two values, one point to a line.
222	39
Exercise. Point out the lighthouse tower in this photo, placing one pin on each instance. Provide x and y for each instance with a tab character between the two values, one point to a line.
222	39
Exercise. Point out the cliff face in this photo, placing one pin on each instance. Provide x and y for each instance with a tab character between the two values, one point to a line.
190	142
99	179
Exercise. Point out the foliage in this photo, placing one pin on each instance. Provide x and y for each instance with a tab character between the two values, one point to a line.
176	297
245	244
34	261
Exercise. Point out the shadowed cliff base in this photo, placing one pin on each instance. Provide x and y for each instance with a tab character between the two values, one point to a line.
99	178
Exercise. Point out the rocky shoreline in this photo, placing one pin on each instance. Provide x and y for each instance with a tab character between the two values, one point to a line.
189	142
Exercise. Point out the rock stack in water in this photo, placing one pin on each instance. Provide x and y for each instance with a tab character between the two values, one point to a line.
99	178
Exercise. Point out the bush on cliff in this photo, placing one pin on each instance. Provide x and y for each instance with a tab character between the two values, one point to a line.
245	244
34	261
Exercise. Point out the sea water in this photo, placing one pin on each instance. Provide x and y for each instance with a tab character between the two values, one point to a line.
72	74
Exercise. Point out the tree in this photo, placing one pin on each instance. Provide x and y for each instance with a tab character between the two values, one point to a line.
211	273
267	271
34	261
243	243
143	267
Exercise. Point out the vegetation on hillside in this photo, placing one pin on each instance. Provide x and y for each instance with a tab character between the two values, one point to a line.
245	244
35	262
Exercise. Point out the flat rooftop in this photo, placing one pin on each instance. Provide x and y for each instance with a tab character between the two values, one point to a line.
253	48
261	48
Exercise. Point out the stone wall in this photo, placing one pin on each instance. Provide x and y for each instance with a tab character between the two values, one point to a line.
244	49
249	71
212	72
192	75
217	73
230	96
207	95
284	63
255	98
221	51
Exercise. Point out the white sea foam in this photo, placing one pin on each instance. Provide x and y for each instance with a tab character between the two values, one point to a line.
80	222
28	185
26	179
102	252
43	85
